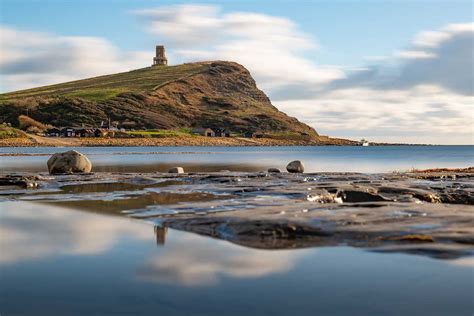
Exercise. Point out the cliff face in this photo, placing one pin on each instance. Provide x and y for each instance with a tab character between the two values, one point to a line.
213	94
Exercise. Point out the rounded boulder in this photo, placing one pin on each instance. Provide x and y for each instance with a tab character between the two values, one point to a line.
69	162
295	166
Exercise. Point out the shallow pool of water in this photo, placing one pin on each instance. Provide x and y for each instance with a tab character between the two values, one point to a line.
59	261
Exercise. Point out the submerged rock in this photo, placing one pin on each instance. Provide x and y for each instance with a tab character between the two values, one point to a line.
295	166
176	170
69	162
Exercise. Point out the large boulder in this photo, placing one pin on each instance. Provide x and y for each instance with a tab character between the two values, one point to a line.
69	162
295	166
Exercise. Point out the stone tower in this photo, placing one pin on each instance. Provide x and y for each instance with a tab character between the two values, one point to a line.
160	58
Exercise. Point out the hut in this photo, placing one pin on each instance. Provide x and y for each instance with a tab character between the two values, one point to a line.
248	134
258	135
68	132
53	132
218	132
204	132
84	132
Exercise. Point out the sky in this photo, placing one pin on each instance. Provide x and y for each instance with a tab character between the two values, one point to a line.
391	71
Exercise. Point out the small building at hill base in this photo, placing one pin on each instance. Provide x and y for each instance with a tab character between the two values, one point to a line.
208	132
53	132
68	132
85	132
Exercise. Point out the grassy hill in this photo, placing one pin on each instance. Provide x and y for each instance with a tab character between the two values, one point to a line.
206	94
105	87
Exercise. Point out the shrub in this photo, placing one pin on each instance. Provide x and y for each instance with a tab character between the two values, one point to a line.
27	123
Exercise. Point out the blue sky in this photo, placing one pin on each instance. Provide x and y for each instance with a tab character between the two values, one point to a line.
348	31
383	70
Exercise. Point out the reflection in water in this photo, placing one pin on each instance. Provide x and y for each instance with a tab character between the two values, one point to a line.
134	202
160	234
30	231
67	262
190	260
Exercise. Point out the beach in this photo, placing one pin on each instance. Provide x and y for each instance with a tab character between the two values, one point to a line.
34	140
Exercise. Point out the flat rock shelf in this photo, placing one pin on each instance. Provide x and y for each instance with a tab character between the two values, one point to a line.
426	213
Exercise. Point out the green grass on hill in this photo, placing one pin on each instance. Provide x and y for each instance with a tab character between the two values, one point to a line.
10	132
105	87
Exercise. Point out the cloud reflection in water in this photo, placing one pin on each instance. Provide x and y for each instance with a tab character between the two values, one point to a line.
31	231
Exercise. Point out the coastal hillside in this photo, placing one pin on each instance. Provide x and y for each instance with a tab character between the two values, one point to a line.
206	94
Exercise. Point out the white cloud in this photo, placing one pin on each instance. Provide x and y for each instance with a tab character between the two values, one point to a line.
272	48
421	95
423	114
42	58
435	38
414	54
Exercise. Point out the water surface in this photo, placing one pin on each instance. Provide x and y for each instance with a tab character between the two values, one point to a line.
58	261
205	159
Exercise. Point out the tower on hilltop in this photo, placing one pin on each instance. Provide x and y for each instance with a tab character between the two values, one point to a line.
160	58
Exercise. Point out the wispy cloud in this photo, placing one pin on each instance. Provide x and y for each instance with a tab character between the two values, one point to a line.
43	58
273	48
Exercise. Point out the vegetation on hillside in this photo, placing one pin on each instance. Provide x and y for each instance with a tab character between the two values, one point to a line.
28	124
10	132
209	94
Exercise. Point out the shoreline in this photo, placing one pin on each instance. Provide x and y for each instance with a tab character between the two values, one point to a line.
171	141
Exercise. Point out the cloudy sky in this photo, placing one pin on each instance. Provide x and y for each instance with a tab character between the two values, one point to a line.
396	71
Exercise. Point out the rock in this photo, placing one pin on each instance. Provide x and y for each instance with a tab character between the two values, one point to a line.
69	162
353	196
26	182
273	170
176	170
295	166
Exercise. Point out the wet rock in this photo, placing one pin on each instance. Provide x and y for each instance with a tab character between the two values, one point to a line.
273	170
295	166
69	162
324	198
350	196
176	170
26	182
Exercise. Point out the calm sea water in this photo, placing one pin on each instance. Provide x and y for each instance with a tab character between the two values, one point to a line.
58	261
345	158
